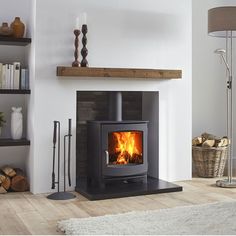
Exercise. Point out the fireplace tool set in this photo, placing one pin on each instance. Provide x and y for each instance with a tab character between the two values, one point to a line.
67	147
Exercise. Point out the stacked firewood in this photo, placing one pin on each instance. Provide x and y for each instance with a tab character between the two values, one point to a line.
210	140
12	180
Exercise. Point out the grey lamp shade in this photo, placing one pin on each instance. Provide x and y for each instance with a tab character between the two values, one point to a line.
221	20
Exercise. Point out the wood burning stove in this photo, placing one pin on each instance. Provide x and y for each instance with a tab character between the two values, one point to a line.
117	150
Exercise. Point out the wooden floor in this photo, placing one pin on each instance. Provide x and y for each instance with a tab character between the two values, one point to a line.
24	213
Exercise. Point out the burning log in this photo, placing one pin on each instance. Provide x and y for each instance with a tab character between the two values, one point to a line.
125	148
136	159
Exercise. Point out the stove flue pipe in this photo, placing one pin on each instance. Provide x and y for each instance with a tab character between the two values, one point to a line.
115	106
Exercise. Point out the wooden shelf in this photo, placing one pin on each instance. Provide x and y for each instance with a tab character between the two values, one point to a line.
118	73
15	91
10	142
14	41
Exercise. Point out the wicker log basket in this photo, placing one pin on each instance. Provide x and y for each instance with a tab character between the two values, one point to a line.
209	155
209	162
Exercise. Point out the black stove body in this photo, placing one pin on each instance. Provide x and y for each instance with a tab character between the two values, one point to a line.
117	150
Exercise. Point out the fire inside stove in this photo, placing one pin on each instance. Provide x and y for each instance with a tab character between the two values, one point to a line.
125	148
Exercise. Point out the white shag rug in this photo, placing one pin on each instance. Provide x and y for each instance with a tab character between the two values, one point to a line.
216	218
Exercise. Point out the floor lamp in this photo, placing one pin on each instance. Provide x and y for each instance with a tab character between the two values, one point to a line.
222	23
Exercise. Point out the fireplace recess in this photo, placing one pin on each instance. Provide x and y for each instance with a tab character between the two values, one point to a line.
121	155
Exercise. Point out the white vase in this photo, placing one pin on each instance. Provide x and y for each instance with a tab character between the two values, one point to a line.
16	123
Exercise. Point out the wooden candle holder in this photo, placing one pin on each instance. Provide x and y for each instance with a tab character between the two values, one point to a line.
76	62
84	50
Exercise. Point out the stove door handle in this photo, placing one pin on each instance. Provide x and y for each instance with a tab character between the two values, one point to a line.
107	157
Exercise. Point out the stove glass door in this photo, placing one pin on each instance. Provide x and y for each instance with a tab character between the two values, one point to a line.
125	148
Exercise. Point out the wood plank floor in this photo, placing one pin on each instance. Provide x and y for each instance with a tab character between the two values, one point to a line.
24	213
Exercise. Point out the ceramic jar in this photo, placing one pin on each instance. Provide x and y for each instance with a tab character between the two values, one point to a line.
18	28
16	123
5	30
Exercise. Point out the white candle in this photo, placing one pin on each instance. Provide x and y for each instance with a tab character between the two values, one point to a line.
77	23
84	18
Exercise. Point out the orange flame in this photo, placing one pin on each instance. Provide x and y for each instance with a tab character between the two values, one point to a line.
126	146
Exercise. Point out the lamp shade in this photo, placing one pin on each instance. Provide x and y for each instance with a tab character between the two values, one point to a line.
221	20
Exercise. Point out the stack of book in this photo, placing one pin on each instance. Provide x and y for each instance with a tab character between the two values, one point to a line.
12	76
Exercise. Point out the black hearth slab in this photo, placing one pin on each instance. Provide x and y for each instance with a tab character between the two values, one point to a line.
118	190
109	122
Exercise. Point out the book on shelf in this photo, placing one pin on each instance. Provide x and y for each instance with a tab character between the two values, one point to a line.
24	81
12	76
1	65
16	75
3	77
8	76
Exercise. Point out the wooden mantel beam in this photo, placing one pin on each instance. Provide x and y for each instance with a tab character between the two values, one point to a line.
118	73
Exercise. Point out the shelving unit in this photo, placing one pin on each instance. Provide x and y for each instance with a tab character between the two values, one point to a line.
127	73
20	42
10	142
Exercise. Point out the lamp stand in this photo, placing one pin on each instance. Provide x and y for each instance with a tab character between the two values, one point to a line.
229	182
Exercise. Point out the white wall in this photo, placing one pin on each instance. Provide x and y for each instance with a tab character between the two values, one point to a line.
209	82
11	8
131	33
124	33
